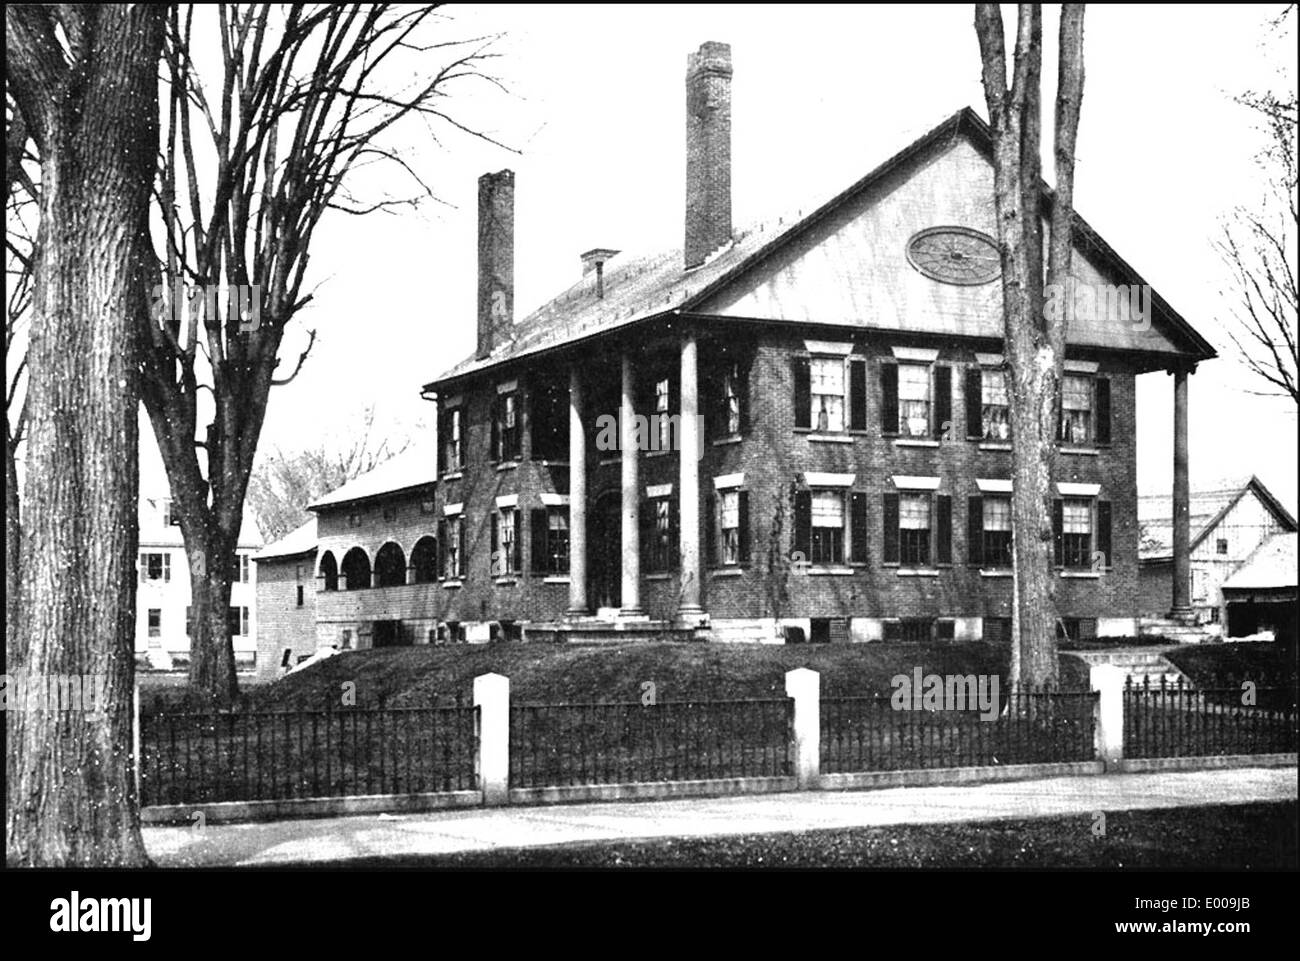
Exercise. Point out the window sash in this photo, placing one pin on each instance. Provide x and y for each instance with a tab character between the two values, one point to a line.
827	379
828	509
997	514
827	545
914	546
506	539
1076	517
914	512
731	399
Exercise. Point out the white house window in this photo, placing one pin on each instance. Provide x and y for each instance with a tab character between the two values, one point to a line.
155	622
996	407
731	398
237	620
661	538
557	540
239	569
664	440
827	527
997	531
914	529
1076	409
729	522
505	561
914	400
827	374
452	554
156	567
1221	545
1076	533
452	443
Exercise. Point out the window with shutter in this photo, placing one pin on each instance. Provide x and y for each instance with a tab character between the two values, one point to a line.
889	399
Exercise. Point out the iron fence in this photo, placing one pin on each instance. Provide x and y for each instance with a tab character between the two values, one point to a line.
1178	720
1030	727
199	757
626	742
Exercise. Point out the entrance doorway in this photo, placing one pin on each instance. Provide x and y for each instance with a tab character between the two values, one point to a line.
388	634
605	552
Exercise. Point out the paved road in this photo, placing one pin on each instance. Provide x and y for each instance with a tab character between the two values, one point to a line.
480	829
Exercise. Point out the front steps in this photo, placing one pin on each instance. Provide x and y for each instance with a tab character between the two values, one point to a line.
1177	632
612	630
1142	665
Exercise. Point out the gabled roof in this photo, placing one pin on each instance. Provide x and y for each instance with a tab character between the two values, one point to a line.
299	541
1270	566
410	469
1208	508
154	533
642	289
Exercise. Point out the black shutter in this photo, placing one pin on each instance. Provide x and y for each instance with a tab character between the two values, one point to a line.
1060	414
858	527
494	450
974	403
439	467
891	529
803	524
802	392
742	508
742	392
646	522
857	394
710	530
496	538
442	548
1058	530
975	531
889	398
942	401
1103	534
943	529
518	550
461	560
1103	411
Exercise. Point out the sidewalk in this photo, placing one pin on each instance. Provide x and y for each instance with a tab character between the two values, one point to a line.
480	829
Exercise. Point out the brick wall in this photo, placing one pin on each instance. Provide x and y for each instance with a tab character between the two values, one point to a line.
281	621
772	456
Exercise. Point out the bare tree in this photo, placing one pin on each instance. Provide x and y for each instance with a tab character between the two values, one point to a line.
1259	248
1034	342
285	482
305	98
85	81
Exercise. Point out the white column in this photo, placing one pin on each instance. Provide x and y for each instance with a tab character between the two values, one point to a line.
1108	681
492	698
688	460
631	495
804	686
577	498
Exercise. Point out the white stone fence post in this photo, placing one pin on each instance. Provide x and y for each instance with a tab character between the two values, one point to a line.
1108	681
492	698
804	687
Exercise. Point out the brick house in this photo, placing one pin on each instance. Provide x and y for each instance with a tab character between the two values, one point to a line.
796	430
1228	522
286	600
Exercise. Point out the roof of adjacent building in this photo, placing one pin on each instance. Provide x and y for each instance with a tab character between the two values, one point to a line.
1270	566
301	540
643	288
412	468
154	533
1207	508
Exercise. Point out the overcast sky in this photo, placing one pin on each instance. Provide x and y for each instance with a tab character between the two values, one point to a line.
820	95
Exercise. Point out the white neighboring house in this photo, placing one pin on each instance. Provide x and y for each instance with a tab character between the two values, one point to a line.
163	597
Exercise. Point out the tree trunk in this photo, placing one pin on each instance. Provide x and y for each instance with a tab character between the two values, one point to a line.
212	652
71	792
1034	342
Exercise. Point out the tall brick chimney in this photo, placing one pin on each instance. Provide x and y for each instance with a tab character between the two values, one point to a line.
708	151
496	260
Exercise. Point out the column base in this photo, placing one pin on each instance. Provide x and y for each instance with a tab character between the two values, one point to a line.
578	612
1182	615
633	614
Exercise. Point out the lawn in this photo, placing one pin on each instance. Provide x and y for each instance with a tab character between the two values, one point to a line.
1244	837
551	674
